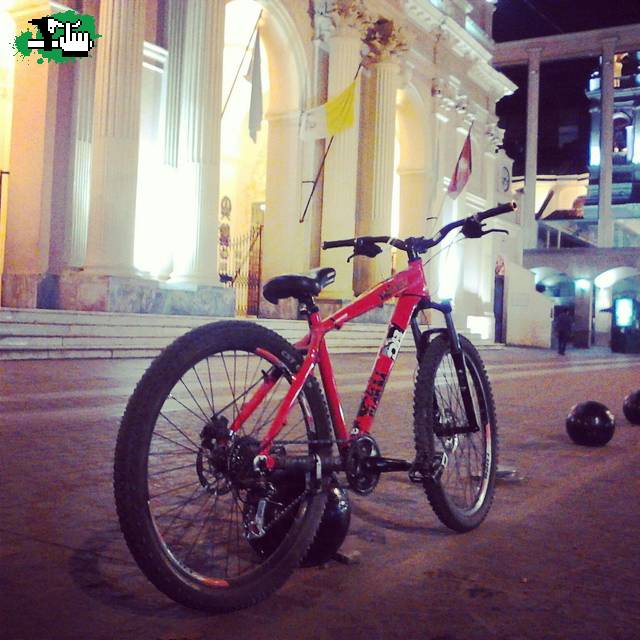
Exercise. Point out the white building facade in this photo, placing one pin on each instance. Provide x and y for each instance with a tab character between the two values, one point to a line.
132	173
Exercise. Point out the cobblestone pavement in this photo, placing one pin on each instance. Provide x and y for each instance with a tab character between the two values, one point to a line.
557	557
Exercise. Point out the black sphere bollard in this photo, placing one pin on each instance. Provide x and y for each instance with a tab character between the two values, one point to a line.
590	424
333	528
631	407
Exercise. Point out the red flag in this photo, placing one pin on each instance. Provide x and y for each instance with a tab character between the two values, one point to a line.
462	171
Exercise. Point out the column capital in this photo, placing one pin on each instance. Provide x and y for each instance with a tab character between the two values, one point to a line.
343	18
387	41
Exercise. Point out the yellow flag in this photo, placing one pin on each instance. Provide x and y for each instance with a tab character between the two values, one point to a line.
340	110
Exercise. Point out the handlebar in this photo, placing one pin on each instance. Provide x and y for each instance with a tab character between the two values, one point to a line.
354	242
472	228
505	207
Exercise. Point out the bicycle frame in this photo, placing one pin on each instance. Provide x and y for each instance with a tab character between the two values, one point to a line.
410	287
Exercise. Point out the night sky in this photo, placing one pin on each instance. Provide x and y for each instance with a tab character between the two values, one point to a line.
519	19
562	84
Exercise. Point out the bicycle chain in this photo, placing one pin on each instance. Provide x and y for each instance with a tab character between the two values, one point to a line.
283	442
283	513
299	499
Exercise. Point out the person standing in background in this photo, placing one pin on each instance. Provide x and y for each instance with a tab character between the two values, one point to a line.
563	324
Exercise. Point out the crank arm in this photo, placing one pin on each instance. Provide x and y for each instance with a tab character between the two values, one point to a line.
378	464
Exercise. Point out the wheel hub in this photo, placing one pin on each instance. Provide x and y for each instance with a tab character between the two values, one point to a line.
240	461
211	470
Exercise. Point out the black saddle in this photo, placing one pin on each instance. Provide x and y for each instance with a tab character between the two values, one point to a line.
293	285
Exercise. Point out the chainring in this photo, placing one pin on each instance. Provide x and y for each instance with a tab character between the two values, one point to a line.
361	479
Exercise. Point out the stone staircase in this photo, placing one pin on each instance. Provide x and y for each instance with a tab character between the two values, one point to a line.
40	334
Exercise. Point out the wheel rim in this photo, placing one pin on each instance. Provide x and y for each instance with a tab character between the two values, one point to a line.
466	457
201	491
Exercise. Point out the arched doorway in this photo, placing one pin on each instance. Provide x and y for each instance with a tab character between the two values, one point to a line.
260	182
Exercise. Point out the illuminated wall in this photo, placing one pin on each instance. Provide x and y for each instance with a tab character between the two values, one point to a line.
7	28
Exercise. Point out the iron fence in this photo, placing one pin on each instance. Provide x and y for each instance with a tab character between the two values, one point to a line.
242	270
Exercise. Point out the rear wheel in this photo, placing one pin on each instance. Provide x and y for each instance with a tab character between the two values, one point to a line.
459	468
199	521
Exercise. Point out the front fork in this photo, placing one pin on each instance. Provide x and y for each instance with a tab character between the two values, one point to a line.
456	355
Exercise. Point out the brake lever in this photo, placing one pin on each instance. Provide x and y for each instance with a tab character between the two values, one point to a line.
367	249
473	228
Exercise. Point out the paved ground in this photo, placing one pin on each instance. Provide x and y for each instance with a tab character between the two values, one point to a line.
557	557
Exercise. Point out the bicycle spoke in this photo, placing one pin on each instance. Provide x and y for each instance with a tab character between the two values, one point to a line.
163	437
184	406
463	476
231	388
209	402
168	491
184	503
194	400
181	506
242	395
204	527
179	430
163	471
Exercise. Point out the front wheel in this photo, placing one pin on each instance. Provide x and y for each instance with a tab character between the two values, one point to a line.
202	524
458	468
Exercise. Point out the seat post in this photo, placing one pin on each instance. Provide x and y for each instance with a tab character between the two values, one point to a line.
309	308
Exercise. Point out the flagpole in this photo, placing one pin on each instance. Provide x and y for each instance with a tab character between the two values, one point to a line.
244	55
316	179
446	193
321	167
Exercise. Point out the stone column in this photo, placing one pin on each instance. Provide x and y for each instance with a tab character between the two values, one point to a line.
341	167
443	161
116	125
530	226
196	247
314	151
176	10
29	194
279	254
175	25
605	212
377	220
413	201
80	173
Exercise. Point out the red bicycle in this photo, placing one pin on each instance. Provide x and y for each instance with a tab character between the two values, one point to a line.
228	450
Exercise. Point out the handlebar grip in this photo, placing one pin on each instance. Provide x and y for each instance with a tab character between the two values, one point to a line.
506	207
334	244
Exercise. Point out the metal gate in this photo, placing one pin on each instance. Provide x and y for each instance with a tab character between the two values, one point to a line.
242	270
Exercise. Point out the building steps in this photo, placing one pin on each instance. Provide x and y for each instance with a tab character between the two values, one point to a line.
27	334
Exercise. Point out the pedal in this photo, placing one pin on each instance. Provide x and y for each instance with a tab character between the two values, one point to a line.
416	475
417	472
347	557
438	465
432	472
